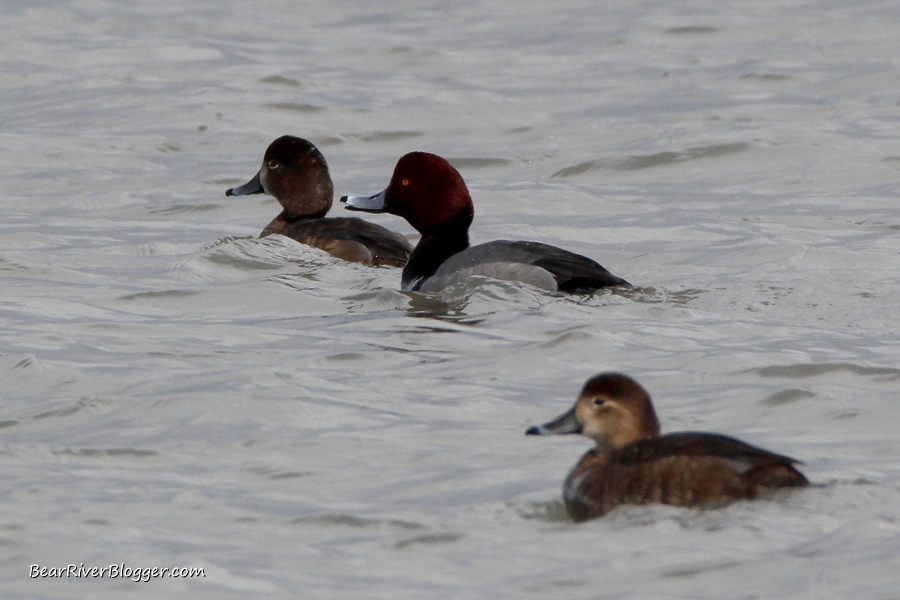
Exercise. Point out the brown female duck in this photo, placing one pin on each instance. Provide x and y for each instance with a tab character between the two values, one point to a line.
633	464
296	174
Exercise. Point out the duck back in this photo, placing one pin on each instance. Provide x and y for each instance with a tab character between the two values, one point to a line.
347	238
542	265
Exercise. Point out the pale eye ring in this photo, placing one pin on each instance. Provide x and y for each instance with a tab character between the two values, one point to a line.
273	164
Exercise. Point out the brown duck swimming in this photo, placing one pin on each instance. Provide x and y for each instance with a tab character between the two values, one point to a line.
296	174
633	464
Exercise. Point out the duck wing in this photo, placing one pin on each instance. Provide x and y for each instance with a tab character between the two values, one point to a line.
572	272
387	247
699	444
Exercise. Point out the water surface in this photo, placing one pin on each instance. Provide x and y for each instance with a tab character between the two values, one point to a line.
178	393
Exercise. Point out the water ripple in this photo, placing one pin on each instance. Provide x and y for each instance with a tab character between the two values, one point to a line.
658	159
814	370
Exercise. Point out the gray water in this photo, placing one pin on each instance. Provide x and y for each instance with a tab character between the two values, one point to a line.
179	394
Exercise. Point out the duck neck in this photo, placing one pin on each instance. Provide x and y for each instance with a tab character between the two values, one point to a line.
435	247
592	458
280	223
319	214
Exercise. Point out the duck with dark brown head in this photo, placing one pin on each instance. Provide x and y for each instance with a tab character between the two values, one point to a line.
295	173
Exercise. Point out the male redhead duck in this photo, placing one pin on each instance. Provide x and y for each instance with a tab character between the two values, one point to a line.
633	464
296	174
432	196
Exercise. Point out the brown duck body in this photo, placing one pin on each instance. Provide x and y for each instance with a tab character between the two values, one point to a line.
295	173
684	469
633	464
347	238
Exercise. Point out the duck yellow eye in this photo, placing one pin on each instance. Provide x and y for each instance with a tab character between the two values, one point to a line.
272	164
404	181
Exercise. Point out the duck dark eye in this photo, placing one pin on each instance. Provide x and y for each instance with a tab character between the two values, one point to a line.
272	164
599	401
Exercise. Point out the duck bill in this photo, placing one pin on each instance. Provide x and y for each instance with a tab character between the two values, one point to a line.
566	423
373	204
254	186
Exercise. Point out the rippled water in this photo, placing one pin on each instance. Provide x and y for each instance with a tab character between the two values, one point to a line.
177	393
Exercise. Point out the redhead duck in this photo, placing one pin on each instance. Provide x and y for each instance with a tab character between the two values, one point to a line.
633	464
432	196
296	174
